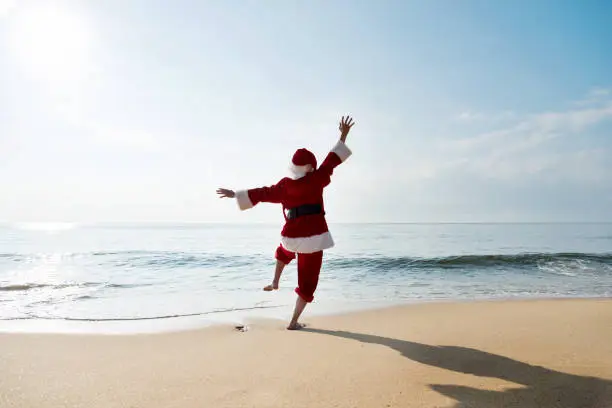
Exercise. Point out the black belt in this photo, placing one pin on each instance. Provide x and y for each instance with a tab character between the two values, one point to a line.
306	209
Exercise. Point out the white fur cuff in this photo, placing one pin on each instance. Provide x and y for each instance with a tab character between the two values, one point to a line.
243	200
342	150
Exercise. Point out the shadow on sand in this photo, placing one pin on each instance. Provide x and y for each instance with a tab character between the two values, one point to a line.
542	387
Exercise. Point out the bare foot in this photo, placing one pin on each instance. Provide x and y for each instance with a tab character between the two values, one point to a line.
273	286
295	326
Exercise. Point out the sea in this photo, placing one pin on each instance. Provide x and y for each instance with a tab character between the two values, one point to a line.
132	278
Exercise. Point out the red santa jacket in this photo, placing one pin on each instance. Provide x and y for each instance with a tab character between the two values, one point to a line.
305	234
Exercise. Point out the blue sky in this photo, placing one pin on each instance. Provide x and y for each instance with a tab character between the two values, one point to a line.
466	111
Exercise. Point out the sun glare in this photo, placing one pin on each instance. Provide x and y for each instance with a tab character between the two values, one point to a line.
50	42
6	6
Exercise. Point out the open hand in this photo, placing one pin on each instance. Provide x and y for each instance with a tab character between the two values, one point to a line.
345	126
225	193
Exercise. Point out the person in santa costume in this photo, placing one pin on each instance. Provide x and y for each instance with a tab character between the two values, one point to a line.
305	234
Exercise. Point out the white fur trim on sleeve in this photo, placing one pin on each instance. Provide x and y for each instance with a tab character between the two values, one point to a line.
342	150
244	202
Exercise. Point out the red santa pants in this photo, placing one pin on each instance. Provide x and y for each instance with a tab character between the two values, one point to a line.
309	267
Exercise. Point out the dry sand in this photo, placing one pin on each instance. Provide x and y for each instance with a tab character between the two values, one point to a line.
546	353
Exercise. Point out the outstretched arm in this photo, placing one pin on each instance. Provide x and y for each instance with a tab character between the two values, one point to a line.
249	198
339	153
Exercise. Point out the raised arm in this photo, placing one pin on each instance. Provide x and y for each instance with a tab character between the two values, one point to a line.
250	198
338	154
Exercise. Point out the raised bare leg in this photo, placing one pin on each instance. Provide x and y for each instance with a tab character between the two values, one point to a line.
277	275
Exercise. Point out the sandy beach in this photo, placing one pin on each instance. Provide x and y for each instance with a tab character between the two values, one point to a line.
544	353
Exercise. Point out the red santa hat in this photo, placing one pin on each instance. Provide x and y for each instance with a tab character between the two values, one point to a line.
303	162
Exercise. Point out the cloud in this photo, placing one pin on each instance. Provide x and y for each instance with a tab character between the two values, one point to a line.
487	150
571	121
531	145
600	92
541	126
469	116
594	97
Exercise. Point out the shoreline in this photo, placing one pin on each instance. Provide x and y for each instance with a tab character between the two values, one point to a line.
152	326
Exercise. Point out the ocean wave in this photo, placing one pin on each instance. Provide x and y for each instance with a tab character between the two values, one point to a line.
16	287
471	261
176	259
143	259
182	260
185	259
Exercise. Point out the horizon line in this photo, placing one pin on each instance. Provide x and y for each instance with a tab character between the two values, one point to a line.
101	223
